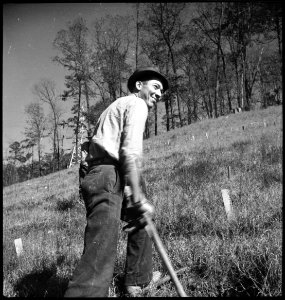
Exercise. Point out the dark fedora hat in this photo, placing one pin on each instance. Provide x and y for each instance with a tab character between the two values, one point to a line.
147	73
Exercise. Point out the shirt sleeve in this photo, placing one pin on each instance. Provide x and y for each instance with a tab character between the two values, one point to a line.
132	139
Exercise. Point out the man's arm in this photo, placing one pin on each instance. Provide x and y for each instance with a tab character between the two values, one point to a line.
132	178
131	148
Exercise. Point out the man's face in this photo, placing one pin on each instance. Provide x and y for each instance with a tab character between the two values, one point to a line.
150	91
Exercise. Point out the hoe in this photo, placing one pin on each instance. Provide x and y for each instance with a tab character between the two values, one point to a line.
146	221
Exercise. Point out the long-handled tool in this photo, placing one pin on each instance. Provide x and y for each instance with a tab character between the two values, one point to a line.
146	221
152	232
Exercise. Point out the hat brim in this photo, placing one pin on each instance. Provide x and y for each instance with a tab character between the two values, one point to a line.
147	75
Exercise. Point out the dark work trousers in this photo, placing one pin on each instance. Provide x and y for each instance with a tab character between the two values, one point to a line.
102	190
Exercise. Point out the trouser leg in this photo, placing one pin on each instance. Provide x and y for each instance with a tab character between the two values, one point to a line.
138	269
94	272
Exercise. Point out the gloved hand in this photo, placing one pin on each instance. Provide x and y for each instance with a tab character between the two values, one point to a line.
133	210
143	206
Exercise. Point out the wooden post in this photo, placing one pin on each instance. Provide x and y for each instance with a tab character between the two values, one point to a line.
19	246
229	172
69	219
228	205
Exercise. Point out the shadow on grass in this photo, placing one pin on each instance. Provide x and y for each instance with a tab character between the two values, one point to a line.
46	283
43	283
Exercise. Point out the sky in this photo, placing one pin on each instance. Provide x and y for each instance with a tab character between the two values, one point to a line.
28	33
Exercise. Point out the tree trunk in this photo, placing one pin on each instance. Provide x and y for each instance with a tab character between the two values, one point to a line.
262	93
206	105
39	156
176	86
58	152
171	114
174	68
137	37
87	102
54	146
166	103
195	115
189	120
246	94
32	161
78	119
218	64
227	82
210	105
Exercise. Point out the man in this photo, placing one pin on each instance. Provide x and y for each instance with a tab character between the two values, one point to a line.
114	160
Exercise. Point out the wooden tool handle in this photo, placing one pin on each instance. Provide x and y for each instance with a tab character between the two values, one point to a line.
152	232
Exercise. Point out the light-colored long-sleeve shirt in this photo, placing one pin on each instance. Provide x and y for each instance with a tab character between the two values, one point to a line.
119	132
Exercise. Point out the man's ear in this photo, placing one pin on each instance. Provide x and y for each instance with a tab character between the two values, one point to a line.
139	85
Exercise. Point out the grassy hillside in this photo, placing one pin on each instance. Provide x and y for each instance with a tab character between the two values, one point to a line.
185	169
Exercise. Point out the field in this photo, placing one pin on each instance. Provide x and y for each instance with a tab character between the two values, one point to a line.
185	170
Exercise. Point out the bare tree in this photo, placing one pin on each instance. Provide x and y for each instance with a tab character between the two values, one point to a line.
165	20
245	28
111	44
36	127
210	22
76	58
46	92
163	32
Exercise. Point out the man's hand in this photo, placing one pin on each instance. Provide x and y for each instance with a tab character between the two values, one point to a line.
134	210
135	214
143	206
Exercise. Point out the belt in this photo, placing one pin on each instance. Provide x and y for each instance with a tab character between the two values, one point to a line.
103	161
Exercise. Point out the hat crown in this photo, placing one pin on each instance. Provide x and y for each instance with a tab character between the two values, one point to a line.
146	73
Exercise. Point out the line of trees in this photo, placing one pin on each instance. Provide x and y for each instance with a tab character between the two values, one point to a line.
216	55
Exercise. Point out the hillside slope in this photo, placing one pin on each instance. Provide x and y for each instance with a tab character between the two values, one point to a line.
185	170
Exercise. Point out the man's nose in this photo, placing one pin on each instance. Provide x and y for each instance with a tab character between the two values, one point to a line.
158	94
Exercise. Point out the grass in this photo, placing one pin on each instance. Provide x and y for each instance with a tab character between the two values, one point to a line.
185	170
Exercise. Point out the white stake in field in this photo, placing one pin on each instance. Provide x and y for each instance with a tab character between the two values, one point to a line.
19	246
228	205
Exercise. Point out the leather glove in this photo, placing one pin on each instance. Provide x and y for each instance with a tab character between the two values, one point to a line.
133	215
143	206
134	210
